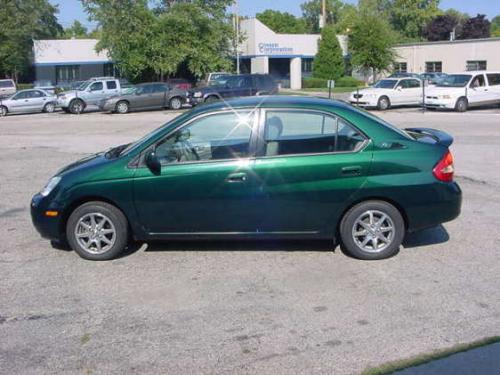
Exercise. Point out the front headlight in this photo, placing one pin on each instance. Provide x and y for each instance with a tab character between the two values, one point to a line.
198	94
50	186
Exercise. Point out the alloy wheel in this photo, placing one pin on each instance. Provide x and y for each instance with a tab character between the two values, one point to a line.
373	231
3	111
175	103
49	107
95	233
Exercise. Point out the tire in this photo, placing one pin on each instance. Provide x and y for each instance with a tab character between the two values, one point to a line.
211	99
461	105
76	106
383	103
90	243
175	103
3	111
122	107
352	233
49	108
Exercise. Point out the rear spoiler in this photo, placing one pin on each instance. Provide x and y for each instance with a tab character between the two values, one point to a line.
437	136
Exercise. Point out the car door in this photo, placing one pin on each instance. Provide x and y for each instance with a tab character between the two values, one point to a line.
112	88
414	92
478	91
20	102
493	87
158	95
37	100
405	93
205	184
96	93
142	97
309	164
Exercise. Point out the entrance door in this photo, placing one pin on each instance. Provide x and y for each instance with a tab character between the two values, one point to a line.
206	183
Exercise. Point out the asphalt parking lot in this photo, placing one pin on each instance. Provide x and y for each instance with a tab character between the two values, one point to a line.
239	307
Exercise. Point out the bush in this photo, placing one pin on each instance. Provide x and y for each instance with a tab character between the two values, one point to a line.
24	86
315	83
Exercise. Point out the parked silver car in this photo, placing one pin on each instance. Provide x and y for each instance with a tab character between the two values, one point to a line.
24	101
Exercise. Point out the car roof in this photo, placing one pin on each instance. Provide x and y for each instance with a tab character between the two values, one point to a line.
472	72
273	101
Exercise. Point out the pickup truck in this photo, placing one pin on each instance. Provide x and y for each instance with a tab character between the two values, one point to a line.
91	92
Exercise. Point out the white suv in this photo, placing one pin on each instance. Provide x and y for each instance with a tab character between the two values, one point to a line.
90	92
7	88
461	91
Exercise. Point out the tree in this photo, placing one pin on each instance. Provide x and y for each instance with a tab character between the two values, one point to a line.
282	22
23	21
311	11
476	27
370	44
495	26
76	30
410	17
329	62
378	7
441	27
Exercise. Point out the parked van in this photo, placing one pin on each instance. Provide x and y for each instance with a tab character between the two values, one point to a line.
7	88
461	91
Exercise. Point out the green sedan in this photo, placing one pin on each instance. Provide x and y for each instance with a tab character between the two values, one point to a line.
257	168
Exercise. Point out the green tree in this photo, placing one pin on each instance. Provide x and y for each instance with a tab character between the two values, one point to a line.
76	30
311	11
370	44
495	26
282	22
410	17
328	63
21	22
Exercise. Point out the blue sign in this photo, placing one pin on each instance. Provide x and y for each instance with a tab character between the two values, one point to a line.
274	49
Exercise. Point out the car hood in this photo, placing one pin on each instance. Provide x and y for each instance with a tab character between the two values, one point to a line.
90	161
70	93
373	90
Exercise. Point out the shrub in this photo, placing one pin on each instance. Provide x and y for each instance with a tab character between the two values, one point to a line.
348	82
314	83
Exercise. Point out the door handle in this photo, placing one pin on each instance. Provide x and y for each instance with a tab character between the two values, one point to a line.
236	177
354	170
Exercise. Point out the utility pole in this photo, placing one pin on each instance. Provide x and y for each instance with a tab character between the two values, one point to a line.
322	18
237	33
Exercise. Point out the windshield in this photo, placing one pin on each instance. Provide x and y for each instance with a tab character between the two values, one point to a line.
151	135
385	84
454	80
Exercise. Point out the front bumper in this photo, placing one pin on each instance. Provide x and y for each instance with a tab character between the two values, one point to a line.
440	103
364	101
62	102
48	226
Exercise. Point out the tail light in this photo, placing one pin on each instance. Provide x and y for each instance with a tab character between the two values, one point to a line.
443	170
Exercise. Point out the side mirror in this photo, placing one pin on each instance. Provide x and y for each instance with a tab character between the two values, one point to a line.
152	162
399	88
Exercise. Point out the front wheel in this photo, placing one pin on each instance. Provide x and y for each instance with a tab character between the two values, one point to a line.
383	103
461	105
3	111
76	106
372	230
122	107
97	231
175	103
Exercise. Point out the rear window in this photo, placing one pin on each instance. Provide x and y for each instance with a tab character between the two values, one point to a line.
111	85
4	84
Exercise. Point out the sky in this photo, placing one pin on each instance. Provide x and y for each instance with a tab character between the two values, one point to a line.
70	10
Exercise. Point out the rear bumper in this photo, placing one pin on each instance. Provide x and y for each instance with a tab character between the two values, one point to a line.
48	227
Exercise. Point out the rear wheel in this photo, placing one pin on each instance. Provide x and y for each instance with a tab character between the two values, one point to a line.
97	231
175	103
49	108
462	105
383	103
122	107
76	106
372	230
3	111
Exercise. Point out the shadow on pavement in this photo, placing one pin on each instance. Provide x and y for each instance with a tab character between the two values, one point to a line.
426	237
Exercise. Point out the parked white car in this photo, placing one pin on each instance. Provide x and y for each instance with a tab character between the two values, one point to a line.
24	101
7	87
461	91
389	92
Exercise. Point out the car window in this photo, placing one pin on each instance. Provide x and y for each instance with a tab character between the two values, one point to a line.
220	136
111	85
4	84
413	83
36	94
478	81
96	86
159	88
295	132
21	95
493	79
146	89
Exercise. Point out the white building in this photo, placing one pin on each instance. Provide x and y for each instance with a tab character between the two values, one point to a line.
67	60
285	56
449	56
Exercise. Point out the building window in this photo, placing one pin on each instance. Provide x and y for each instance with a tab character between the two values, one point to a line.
109	70
307	66
400	67
476	65
67	73
433	67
